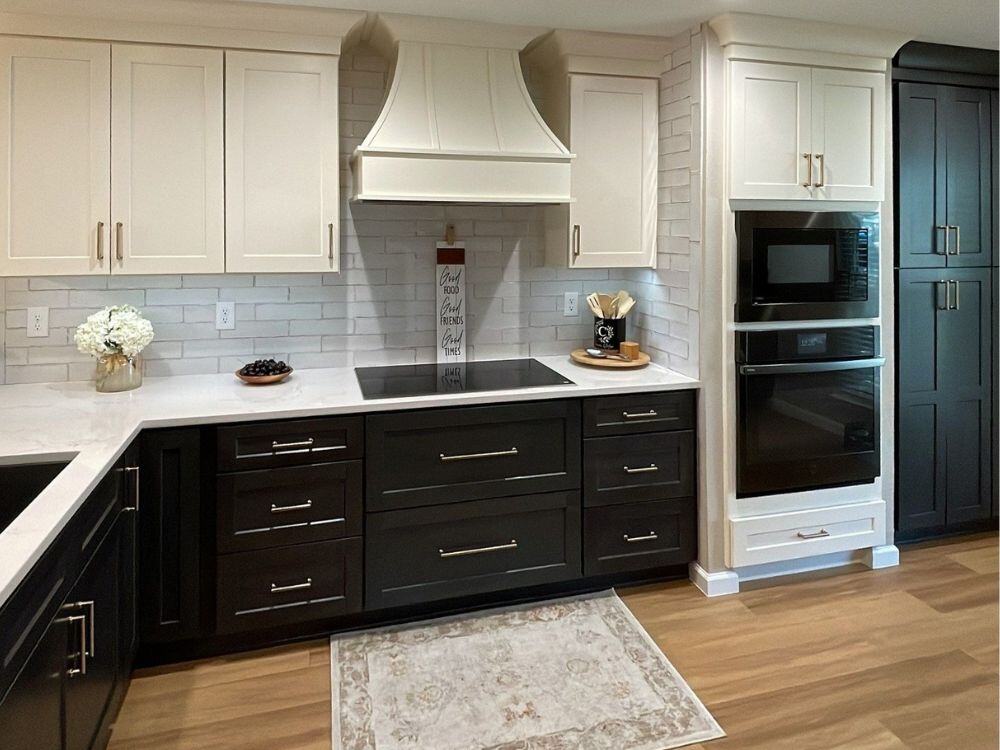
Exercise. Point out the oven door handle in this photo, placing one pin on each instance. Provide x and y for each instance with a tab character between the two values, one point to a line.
793	367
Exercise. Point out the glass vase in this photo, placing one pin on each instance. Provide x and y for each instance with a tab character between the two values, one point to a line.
116	372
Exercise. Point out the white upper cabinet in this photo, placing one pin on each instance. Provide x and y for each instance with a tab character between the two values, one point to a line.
167	197
55	142
805	133
770	130
613	130
848	134
282	168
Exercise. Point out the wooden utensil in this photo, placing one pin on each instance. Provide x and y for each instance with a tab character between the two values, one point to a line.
605	300
623	308
595	305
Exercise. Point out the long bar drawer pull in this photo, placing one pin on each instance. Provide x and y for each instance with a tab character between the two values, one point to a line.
816	535
306	584
647	538
298	444
487	454
641	469
640	414
285	508
512	544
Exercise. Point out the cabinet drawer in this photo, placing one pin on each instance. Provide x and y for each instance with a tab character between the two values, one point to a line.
786	536
258	509
284	585
468	548
638	536
641	467
427	458
641	412
263	445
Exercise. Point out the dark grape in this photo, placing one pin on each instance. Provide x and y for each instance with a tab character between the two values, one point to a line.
264	367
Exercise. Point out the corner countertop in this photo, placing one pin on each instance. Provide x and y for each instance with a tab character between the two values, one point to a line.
59	421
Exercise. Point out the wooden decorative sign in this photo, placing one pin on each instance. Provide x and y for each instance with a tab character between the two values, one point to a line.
451	302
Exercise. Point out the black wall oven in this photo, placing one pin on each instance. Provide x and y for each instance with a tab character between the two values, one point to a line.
808	405
800	265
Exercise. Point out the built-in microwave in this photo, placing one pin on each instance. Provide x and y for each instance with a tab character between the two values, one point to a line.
806	265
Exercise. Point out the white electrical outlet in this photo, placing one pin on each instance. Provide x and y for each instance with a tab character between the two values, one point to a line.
571	301
225	316
38	322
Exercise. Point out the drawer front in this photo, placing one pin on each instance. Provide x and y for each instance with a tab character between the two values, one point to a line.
264	445
427	458
258	509
446	551
787	536
641	412
639	536
641	467
287	585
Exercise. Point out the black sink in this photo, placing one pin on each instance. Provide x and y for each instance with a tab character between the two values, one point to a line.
20	484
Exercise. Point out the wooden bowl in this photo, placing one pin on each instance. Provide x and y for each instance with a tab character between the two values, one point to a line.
263	379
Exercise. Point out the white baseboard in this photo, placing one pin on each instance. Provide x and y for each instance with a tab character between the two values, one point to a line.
714	584
884	556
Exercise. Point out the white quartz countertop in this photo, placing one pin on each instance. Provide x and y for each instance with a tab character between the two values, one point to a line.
53	421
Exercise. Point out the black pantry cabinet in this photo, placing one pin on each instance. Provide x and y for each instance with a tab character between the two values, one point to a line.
946	298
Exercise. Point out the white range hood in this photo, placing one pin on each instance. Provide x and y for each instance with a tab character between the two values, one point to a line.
458	124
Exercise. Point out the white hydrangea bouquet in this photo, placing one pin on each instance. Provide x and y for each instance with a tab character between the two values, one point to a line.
116	336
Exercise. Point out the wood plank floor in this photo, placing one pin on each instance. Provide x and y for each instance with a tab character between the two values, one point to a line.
900	658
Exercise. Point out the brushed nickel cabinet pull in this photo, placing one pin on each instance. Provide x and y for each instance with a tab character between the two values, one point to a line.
331	240
947	295
957	303
134	471
809	170
292	447
641	469
286	508
946	229
100	240
487	454
958	239
119	241
576	240
814	535
822	171
306	584
639	414
512	544
91	649
81	621
647	538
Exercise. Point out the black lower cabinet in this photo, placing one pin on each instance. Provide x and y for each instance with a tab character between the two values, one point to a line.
639	536
31	714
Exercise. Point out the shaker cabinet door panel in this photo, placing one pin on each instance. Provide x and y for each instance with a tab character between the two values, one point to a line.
770	127
282	163
55	156
167	196
613	132
848	134
968	189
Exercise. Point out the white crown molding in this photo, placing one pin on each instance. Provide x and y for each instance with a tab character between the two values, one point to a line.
209	23
598	53
385	30
789	33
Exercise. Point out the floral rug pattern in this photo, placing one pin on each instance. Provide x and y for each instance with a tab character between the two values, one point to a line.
571	674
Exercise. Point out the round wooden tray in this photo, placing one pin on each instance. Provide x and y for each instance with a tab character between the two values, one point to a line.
263	379
581	356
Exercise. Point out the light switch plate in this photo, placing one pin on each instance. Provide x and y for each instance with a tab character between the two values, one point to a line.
225	316
571	303
38	322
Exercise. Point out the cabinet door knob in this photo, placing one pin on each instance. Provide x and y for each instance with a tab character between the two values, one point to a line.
809	170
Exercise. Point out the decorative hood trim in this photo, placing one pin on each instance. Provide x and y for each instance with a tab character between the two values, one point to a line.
458	124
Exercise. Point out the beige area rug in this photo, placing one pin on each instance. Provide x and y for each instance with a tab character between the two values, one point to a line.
571	674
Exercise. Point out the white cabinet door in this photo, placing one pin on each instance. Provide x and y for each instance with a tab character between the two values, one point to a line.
167	195
848	134
282	169
614	134
769	121
54	156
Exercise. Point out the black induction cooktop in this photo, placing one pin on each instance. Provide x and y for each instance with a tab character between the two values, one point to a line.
395	381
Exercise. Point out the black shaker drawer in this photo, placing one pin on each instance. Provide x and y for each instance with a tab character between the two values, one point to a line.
263	445
469	548
631	468
640	412
258	509
287	585
639	536
447	455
